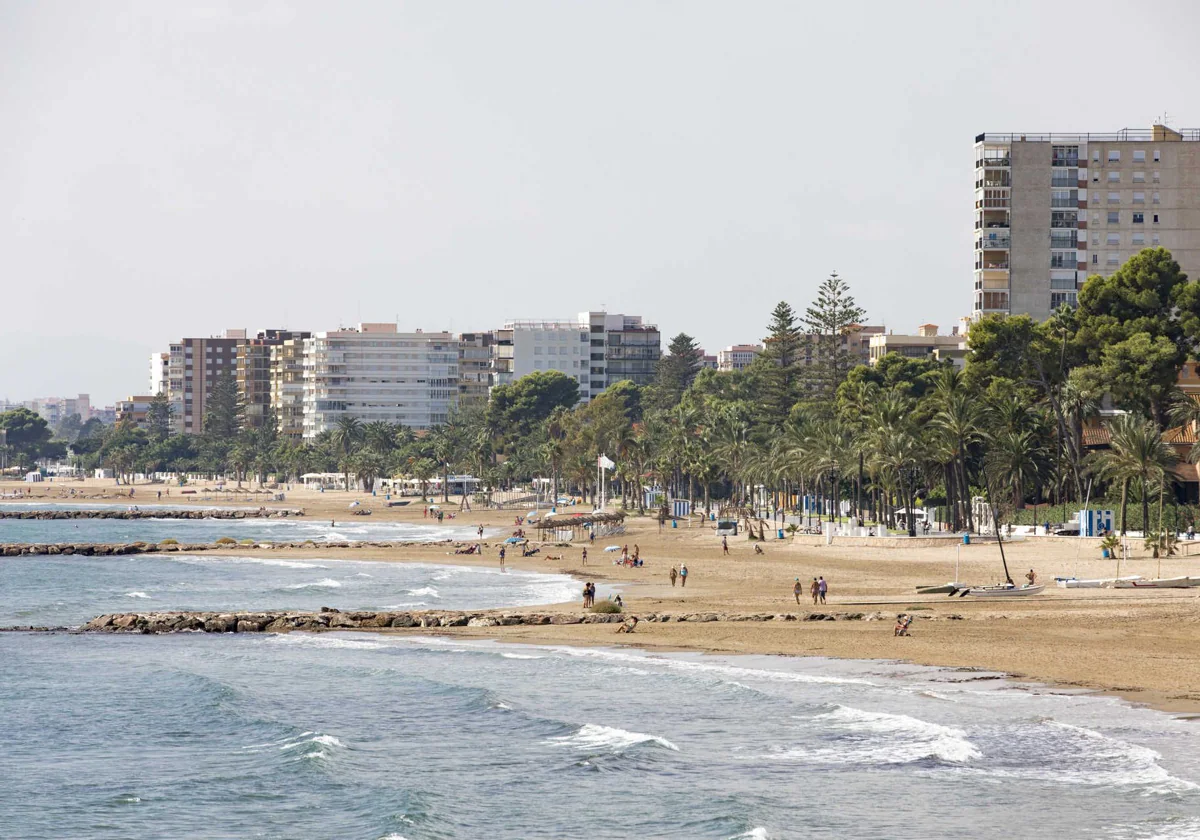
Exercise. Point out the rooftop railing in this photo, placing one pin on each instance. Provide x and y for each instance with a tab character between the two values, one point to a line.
1122	136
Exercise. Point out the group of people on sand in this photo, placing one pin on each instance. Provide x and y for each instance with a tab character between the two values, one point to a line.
680	574
633	561
818	589
589	595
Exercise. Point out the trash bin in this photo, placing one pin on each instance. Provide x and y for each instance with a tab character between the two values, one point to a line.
674	523
780	533
966	539
1104	553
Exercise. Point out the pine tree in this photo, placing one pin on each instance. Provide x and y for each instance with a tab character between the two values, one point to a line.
829	319
676	370
158	417
779	364
223	410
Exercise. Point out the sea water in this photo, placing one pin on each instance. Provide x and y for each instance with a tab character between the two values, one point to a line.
358	735
283	529
66	591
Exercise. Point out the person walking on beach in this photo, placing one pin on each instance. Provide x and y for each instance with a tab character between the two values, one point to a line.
501	558
797	589
814	591
822	589
585	555
1031	577
724	546
480	532
587	594
683	575
674	575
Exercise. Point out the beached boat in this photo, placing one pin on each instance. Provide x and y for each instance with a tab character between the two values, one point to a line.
1094	583
941	588
1005	591
1158	583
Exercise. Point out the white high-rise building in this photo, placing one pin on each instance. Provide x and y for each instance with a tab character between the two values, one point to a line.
160	373
375	372
597	349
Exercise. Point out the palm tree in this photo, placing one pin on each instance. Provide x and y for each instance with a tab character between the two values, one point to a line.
346	437
1136	451
379	436
1020	457
956	428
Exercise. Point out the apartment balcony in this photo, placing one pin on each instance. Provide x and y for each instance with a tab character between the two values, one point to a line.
1064	202
993	242
993	162
992	265
1060	180
993	203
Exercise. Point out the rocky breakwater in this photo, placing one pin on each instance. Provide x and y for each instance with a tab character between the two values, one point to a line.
333	619
226	544
254	513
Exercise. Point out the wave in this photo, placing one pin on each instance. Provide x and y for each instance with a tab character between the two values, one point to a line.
757	833
593	736
424	590
323	583
878	738
136	595
310	640
1098	759
520	656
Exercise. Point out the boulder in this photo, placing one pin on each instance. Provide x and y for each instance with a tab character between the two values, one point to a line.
404	620
481	621
566	619
124	622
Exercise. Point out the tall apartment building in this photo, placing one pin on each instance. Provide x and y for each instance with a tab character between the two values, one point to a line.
195	366
160	373
475	367
597	349
287	386
374	373
1053	209
254	371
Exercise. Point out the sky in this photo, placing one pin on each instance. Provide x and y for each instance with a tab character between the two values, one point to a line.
178	168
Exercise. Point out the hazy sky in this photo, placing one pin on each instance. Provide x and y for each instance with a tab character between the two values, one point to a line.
174	168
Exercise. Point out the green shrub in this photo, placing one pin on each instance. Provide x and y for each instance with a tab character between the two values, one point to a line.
225	541
169	541
607	607
246	542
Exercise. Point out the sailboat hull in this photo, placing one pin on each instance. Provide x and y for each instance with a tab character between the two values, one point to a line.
1005	591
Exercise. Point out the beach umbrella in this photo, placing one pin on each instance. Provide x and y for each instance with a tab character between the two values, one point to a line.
515	540
612	548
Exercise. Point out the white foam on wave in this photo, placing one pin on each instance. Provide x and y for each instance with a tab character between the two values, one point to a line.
881	738
520	656
593	736
423	592
1098	759
136	595
756	833
309	640
323	583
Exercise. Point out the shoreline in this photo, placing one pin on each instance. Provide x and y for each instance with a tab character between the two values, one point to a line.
1135	645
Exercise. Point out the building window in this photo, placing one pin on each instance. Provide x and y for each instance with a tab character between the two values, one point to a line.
1114	175
1154	239
1139	218
1139	198
1154	198
1095	259
1114	198
1096	155
1114	155
1114	217
1114	258
1139	177
1155	218
1113	239
538	364
537	351
1139	156
1139	239
1157	156
1155	177
1095	239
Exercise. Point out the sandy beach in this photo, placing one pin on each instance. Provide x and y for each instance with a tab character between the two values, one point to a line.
1137	644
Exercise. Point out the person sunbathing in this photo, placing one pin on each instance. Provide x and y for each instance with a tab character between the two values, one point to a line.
629	625
903	621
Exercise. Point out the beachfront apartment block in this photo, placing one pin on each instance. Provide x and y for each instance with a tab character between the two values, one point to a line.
286	376
597	349
254	372
194	368
475	367
56	409
160	373
924	344
375	372
737	356
1052	210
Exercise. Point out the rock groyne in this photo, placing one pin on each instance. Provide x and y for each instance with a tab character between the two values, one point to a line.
334	619
222	544
256	513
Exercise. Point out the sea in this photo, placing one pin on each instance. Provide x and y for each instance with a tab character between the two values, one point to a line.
285	529
361	736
